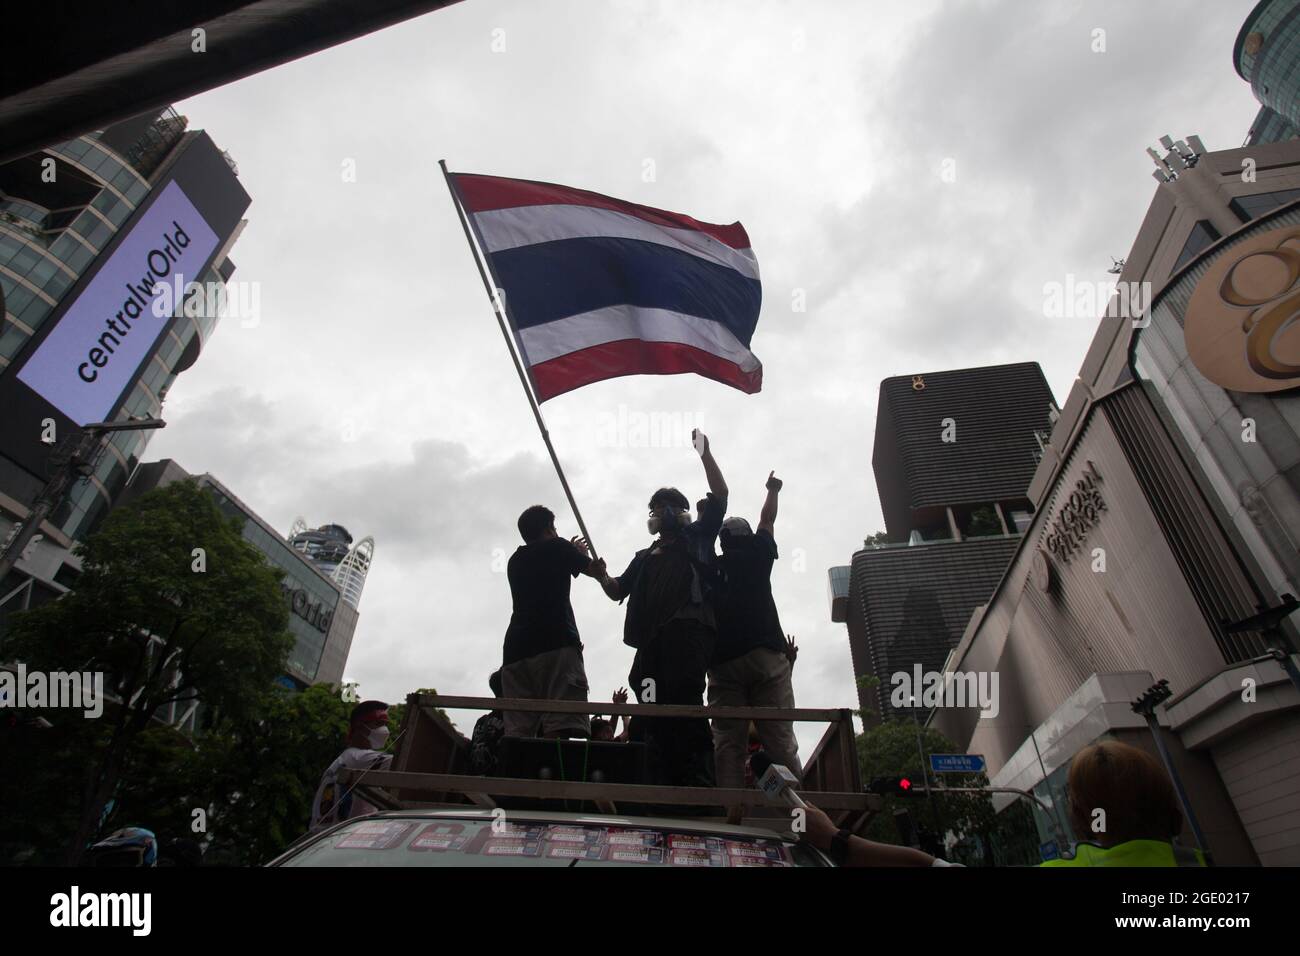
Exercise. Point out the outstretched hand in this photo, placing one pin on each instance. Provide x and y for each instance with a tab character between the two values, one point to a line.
773	483
580	543
620	696
791	649
700	440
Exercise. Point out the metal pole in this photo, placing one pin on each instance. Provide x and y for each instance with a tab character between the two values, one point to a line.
499	307
41	508
1283	657
934	807
1192	822
50	496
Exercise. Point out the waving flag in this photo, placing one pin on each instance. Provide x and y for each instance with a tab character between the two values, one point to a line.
597	287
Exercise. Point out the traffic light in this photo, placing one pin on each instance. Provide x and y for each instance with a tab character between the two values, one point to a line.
896	787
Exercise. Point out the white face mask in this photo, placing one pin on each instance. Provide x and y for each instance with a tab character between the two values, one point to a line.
377	738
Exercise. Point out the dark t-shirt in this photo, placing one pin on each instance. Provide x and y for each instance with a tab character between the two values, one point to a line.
747	617
542	619
677	581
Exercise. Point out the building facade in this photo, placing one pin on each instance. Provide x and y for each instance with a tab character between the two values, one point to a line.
954	453
1167	517
321	622
96	237
330	547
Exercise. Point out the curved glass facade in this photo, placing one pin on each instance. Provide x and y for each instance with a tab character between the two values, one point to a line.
1267	55
1245	444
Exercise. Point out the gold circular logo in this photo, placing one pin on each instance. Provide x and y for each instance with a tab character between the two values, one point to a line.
1243	322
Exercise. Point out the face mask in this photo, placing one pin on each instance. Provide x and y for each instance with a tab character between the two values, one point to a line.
667	517
377	738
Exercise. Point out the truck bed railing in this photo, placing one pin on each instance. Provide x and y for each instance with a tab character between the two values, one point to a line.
430	767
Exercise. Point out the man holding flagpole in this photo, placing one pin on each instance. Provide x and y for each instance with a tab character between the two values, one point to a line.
671	587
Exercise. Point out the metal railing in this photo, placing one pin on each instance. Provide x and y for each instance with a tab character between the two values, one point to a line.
424	774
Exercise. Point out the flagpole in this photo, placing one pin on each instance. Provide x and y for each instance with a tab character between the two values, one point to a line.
498	307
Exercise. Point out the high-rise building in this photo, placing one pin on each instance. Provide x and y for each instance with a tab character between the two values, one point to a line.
331	548
1267	56
102	240
321	620
954	454
1165	539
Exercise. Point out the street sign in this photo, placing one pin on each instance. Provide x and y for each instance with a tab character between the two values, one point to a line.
956	763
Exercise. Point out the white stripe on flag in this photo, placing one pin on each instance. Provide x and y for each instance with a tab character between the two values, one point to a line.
617	322
527	225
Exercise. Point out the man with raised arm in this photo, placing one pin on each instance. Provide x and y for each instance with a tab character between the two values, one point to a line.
670	588
753	661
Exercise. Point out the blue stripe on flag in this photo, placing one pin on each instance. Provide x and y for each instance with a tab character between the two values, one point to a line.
553	280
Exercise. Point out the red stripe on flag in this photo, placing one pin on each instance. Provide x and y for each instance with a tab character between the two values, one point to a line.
637	357
484	193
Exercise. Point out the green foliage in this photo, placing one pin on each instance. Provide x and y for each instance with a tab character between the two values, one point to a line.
257	776
890	750
222	630
160	629
880	537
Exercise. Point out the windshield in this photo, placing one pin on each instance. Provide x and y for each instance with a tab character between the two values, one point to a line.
484	842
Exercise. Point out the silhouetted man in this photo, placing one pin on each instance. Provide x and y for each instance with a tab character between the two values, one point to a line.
670	621
752	662
542	656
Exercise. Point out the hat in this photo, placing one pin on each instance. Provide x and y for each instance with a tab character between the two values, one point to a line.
737	527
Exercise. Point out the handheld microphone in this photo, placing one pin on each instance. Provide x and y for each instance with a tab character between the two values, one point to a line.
776	782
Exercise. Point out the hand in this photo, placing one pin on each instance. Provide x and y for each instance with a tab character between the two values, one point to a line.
700	441
580	543
598	569
820	828
620	696
791	649
773	483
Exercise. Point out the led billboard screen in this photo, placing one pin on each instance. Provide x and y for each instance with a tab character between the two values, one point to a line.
90	357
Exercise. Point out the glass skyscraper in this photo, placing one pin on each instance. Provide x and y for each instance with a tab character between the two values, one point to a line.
1267	56
64	212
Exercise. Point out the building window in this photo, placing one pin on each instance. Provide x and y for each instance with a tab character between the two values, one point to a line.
1247	208
1203	235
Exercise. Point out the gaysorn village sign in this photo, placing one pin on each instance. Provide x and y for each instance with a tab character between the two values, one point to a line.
1078	515
1242	324
317	615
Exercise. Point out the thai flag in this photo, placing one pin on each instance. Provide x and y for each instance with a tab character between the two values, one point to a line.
597	287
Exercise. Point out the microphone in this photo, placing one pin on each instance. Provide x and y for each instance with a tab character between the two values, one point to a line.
776	782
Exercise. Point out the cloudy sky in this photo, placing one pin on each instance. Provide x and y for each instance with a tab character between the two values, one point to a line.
910	175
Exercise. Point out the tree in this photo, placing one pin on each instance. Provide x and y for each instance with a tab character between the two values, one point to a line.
172	605
257	775
880	537
890	750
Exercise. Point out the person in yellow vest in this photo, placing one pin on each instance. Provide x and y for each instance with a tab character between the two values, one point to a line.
1124	801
